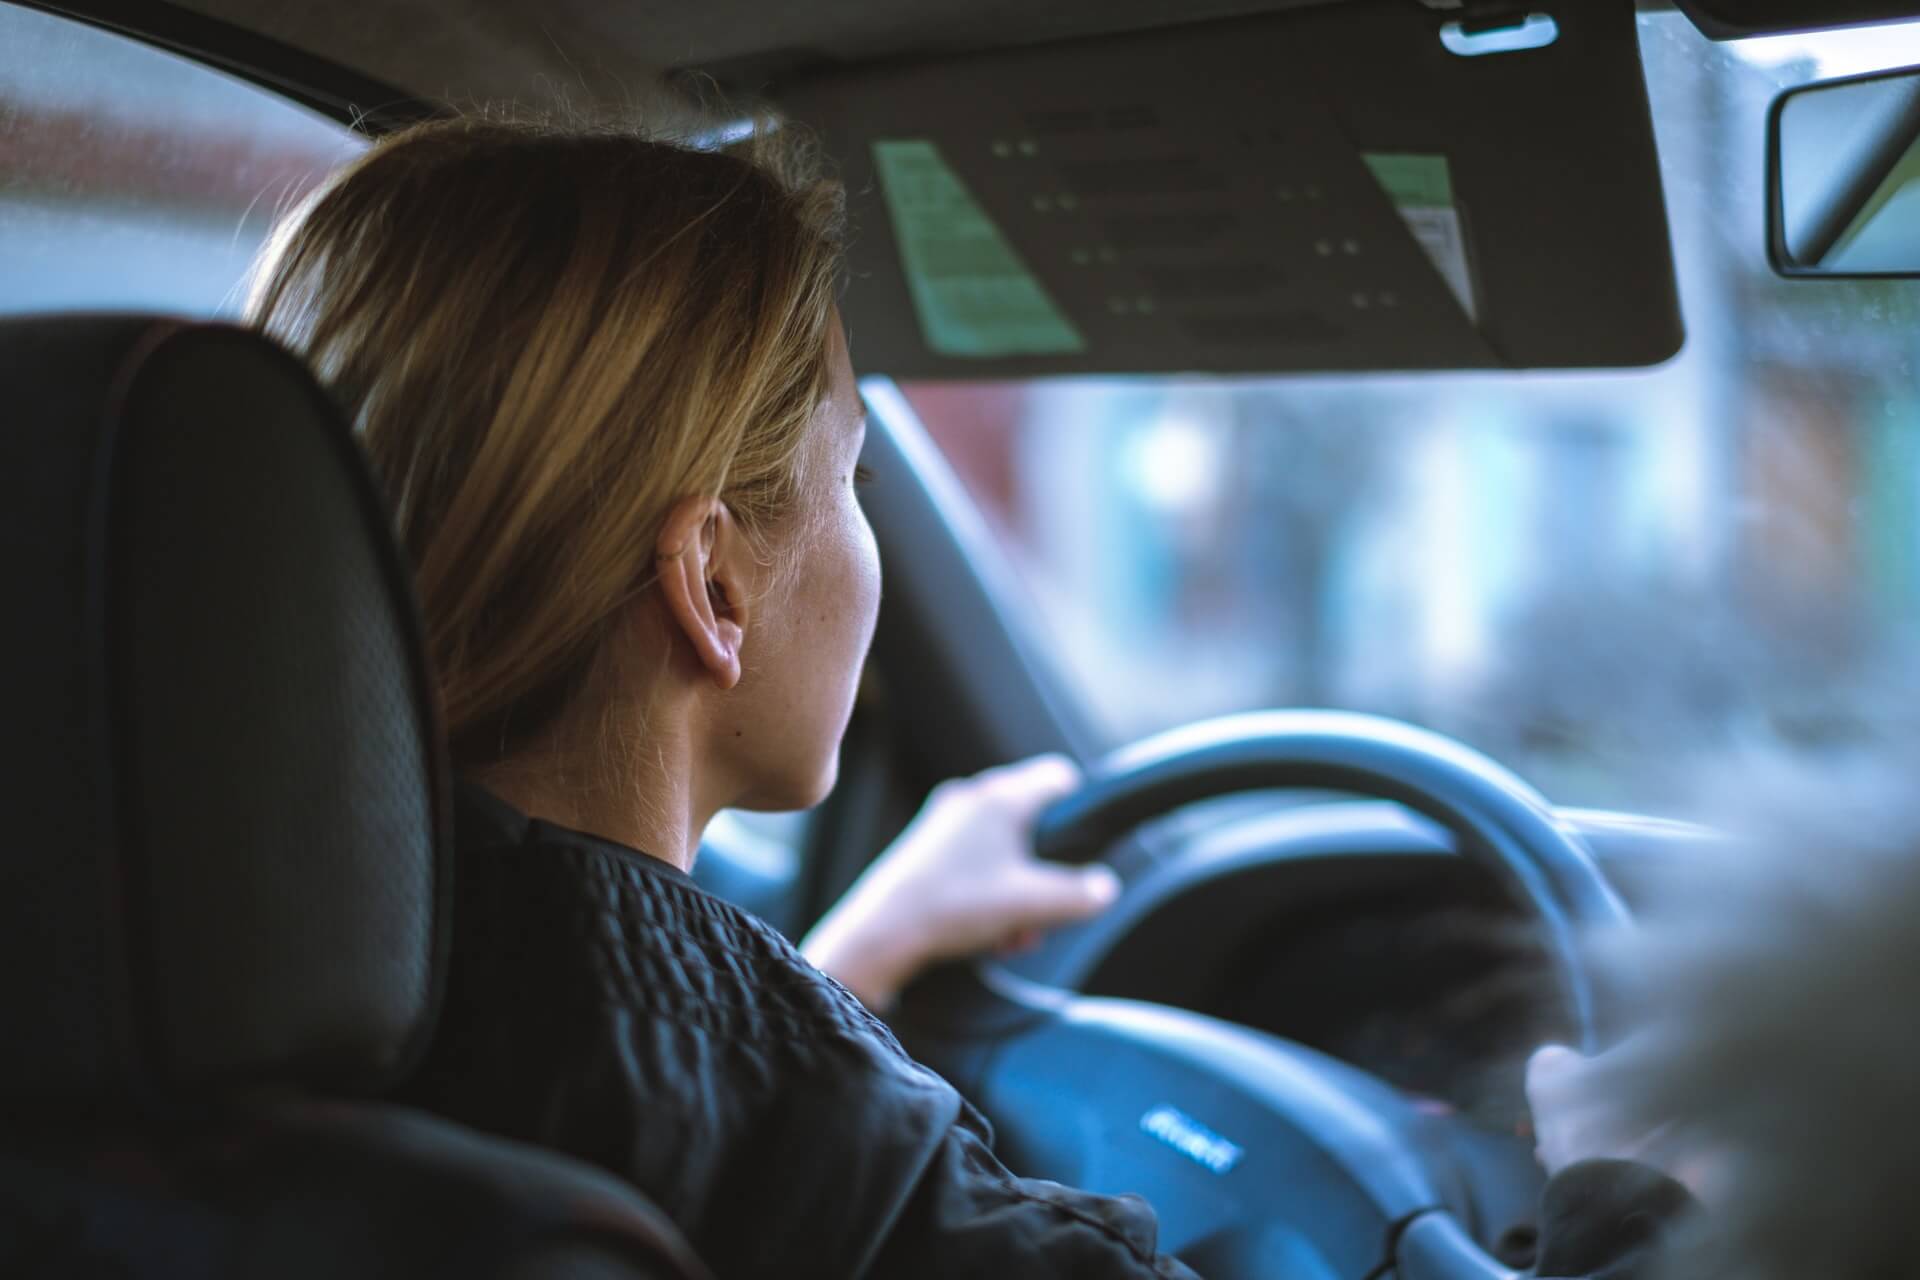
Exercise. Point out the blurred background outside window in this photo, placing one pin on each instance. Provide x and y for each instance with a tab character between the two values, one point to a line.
133	179
1596	578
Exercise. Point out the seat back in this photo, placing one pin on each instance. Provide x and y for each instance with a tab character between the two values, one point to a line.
303	1190
225	875
226	816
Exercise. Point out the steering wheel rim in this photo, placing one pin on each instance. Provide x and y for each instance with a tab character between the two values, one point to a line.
1015	1046
1503	824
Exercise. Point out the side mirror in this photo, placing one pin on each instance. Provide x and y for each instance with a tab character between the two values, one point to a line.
1843	160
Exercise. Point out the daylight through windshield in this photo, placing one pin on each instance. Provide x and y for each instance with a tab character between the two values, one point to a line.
1590	577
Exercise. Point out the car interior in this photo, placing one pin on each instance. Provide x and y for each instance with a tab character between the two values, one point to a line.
1298	1035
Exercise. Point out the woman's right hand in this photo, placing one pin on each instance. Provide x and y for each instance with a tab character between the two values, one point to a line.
960	880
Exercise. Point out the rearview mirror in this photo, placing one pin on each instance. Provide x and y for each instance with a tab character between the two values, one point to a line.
1844	186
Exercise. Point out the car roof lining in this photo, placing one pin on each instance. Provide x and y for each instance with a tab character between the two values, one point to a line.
541	52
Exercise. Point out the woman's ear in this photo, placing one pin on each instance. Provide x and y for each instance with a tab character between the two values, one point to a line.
702	575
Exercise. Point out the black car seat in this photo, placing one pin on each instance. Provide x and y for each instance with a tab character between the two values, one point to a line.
224	867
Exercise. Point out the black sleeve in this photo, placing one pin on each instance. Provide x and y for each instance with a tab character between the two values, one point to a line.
972	1217
1607	1220
603	1007
969	1217
1600	1220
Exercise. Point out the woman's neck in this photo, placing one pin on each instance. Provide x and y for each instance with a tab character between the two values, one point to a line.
634	792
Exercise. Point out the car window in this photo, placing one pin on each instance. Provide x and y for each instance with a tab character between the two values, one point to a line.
131	178
1592	577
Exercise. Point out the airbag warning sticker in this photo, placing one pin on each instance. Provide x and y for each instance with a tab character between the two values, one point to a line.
974	296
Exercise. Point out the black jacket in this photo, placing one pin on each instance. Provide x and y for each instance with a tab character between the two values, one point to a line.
603	1004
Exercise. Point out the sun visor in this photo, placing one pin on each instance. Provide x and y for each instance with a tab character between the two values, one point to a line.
1349	187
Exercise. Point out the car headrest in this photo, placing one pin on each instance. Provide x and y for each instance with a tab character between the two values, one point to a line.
223	855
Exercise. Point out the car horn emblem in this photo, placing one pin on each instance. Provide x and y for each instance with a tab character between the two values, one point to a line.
1191	1138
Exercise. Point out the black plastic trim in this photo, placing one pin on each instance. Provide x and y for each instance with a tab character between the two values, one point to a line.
949	615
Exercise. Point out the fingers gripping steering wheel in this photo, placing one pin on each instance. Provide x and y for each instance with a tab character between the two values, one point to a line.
1256	1152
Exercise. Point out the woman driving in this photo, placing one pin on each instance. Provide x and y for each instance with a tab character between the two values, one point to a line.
605	386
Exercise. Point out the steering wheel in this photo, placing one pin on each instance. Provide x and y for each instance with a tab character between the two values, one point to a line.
1261	1157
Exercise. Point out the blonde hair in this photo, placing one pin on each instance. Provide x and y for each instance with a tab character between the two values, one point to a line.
545	337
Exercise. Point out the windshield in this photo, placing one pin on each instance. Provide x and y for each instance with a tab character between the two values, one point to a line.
1590	577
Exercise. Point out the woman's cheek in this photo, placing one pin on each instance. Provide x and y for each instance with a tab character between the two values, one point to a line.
869	562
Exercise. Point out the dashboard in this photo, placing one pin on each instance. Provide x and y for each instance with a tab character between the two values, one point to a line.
1443	1000
1352	928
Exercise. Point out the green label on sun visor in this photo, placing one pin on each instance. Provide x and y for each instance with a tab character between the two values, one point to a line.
1421	188
973	294
1413	179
